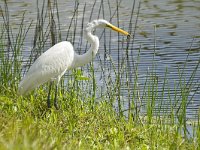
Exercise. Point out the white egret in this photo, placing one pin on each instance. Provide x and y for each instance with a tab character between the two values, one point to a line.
53	63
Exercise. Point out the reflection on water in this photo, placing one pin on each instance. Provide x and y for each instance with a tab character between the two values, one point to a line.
177	25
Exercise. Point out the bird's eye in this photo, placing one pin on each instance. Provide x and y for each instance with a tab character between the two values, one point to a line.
108	26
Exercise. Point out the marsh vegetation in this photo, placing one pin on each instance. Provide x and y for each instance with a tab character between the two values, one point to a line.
102	105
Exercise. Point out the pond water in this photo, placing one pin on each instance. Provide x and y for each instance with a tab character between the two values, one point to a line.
173	24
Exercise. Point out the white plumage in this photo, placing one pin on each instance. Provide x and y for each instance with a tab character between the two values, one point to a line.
53	63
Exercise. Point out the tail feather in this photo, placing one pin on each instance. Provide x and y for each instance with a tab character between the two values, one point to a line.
25	86
30	82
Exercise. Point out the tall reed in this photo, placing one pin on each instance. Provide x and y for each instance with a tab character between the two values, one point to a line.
119	75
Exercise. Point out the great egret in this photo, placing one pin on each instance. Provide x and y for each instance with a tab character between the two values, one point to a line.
53	63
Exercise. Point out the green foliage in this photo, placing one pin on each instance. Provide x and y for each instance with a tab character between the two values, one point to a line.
26	123
85	119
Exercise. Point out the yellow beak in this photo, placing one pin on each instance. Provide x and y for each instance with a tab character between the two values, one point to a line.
118	29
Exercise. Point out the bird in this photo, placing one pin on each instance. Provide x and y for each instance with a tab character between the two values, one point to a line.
54	62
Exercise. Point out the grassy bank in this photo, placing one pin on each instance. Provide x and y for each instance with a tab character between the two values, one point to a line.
25	123
89	117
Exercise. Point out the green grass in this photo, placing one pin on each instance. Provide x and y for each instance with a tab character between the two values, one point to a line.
88	118
26	123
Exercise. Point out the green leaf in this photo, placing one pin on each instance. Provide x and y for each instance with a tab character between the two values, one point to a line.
82	78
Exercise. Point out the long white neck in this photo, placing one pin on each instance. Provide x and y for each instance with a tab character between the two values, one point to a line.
80	60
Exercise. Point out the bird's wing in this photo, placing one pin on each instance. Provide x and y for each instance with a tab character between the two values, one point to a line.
50	65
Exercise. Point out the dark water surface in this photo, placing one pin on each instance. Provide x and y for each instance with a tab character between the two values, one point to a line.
173	24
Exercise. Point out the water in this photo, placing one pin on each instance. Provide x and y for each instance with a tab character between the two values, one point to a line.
177	25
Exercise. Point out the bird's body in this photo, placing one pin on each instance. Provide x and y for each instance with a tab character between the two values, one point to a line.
53	63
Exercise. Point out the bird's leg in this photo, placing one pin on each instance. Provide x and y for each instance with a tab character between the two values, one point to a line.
55	99
48	98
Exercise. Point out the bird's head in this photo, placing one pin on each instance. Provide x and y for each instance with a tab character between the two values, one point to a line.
104	24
